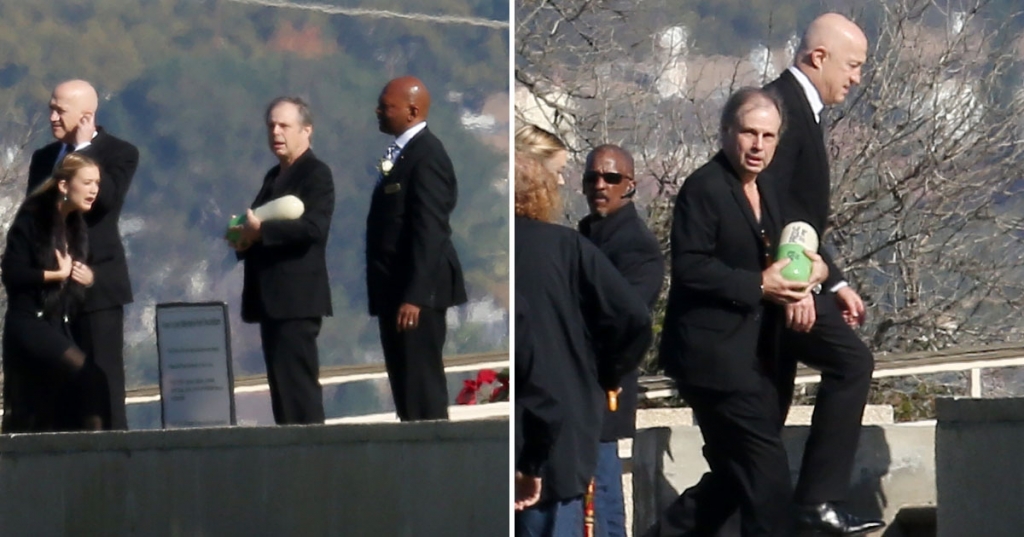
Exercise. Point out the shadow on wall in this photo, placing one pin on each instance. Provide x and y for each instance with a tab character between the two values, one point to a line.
668	460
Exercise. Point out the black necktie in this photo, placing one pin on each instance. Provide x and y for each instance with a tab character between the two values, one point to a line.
68	149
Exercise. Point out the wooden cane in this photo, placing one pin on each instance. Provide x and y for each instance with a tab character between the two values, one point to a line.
588	511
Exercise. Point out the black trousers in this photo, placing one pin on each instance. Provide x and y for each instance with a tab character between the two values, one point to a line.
749	470
846	364
293	369
43	391
100	335
415	366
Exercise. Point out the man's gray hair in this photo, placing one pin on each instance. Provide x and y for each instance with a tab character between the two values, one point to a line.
305	115
744	96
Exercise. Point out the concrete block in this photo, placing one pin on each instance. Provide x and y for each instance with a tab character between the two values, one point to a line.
413	479
894	468
980	459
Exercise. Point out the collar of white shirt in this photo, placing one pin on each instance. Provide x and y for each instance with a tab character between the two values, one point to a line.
810	91
78	147
816	106
64	148
408	134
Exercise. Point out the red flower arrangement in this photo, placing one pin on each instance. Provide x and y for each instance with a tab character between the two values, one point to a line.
488	387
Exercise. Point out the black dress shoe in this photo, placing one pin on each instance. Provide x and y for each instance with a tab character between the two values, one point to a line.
825	518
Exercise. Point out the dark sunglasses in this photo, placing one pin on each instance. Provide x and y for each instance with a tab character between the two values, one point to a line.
612	178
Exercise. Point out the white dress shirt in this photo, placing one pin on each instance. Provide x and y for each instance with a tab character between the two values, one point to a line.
404	138
64	149
810	92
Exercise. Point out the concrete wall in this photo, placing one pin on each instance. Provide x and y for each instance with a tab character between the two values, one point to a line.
894	468
979	451
435	478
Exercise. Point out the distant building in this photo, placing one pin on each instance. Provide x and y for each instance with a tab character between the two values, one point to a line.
763	60
477	122
670	60
485	313
551	111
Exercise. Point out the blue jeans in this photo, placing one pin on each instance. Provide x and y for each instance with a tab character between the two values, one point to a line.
609	506
552	519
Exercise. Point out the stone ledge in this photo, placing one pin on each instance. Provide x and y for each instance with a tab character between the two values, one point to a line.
967	410
431	478
222	437
798	415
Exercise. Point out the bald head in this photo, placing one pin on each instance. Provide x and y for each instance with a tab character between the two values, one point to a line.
623	158
608	181
80	92
831	54
71	102
403	103
830	30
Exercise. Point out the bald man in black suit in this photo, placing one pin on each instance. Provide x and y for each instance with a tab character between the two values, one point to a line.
413	274
99	327
821	333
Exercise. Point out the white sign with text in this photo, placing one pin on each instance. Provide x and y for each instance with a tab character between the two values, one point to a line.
194	346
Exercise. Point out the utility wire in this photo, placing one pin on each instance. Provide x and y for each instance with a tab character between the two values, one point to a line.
378	14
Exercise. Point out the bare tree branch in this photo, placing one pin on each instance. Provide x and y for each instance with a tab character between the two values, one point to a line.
926	155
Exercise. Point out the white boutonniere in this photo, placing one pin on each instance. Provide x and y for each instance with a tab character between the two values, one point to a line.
385	166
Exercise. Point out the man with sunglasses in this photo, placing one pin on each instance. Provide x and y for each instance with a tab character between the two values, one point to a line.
616	228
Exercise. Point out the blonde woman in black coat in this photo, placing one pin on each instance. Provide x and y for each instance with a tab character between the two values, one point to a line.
47	380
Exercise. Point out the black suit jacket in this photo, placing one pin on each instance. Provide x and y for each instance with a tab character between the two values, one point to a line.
409	252
627	242
578	302
286	271
118	161
800	166
29	252
718	332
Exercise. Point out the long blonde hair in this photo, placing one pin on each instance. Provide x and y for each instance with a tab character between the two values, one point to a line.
536	189
54	231
68	167
537	142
